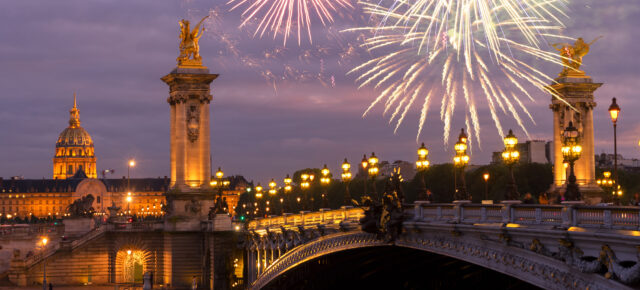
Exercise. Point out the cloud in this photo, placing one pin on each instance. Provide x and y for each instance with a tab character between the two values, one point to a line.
113	54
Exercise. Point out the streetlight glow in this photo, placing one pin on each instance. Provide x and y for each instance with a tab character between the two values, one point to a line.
614	111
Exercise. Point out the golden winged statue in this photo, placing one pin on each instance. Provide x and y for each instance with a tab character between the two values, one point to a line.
189	48
572	56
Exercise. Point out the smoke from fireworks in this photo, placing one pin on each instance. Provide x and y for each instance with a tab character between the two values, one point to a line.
288	16
426	49
236	48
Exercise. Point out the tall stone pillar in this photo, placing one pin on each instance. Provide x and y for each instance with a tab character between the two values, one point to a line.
190	195
577	90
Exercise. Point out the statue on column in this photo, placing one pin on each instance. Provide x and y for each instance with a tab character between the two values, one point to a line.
572	55
189	47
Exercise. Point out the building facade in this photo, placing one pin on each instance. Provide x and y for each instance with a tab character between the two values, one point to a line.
533	151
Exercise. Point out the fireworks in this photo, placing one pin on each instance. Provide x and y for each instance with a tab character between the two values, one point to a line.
425	49
288	16
236	49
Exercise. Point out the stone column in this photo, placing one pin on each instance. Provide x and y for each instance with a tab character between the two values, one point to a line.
190	195
576	105
189	98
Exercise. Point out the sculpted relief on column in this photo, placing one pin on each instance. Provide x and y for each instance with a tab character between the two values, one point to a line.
193	121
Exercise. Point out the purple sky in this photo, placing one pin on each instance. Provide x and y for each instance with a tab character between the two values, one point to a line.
114	53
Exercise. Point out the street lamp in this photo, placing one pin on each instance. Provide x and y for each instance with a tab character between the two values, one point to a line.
346	178
614	112
131	163
607	184
272	187
324	181
460	161
258	196
364	163
129	199
571	151
304	185
219	183
421	165
486	176
272	191
287	189
510	156
373	172
44	264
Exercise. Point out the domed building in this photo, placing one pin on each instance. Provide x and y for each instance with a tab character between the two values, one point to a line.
74	150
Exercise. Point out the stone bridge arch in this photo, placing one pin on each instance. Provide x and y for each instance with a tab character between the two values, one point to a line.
520	263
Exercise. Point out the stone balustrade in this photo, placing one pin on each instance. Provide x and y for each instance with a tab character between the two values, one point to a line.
568	215
305	218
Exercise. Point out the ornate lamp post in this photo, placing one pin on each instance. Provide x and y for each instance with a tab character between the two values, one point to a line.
460	161
131	163
571	151
272	192
373	172
486	176
346	178
510	156
287	190
129	199
421	165
304	185
364	163
44	264
325	180
607	184
614	111
258	196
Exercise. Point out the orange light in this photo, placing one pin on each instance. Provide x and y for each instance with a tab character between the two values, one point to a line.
614	111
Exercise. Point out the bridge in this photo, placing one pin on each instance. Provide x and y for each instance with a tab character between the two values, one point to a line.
569	246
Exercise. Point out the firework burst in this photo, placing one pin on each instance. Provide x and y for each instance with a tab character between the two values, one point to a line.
286	17
438	51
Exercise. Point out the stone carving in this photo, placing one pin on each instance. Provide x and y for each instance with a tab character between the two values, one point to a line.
220	207
193	122
82	207
166	208
189	47
539	248
193	206
572	55
573	256
627	272
385	220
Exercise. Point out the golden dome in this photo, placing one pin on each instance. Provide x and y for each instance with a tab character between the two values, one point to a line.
72	137
74	141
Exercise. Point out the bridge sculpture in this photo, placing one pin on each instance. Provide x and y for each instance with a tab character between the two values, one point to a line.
569	246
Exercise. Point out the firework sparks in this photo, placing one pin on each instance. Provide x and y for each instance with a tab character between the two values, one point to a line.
462	46
288	16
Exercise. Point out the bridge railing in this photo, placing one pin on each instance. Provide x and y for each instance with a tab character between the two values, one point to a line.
324	216
614	217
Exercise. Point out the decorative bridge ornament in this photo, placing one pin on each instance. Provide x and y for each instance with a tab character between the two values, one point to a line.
570	246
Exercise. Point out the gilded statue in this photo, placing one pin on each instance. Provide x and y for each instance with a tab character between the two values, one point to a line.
189	48
572	56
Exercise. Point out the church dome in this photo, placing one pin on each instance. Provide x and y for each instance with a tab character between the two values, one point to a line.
74	137
74	149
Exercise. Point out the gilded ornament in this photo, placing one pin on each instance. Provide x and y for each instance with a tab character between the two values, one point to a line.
572	56
189	47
